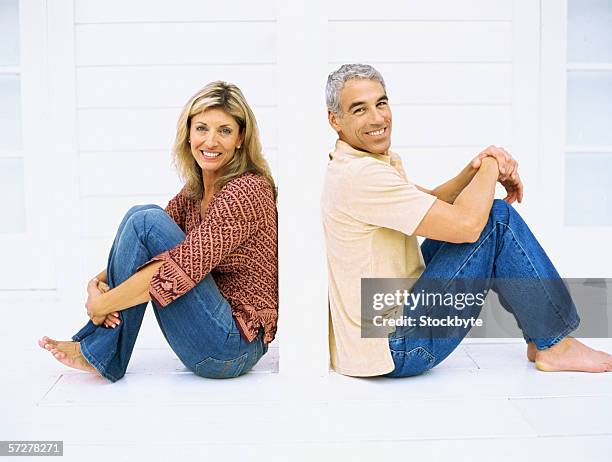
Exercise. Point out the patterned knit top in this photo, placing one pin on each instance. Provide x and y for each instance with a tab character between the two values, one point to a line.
236	243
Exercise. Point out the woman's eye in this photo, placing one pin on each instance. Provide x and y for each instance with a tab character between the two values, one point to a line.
226	131
200	128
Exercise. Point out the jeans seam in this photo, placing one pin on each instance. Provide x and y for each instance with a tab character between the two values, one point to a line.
557	308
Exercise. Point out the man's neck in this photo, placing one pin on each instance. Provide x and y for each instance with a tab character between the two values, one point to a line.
357	148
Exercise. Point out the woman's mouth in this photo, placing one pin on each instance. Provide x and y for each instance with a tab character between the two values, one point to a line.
210	155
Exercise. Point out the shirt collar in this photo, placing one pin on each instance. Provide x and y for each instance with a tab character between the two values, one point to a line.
345	150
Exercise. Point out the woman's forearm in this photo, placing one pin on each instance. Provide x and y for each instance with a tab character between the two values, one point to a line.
102	276
133	291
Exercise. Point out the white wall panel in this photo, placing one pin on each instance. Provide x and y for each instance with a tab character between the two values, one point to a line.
373	42
147	129
419	10
101	216
126	173
169	86
175	43
133	173
451	125
428	166
95	11
95	252
447	83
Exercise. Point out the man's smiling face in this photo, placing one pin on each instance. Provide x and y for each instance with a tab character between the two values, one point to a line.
364	121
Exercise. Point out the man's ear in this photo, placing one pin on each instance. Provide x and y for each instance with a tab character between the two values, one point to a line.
333	121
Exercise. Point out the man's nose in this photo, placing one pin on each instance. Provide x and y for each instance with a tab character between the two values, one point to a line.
377	117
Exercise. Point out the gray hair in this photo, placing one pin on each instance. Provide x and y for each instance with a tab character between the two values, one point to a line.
337	79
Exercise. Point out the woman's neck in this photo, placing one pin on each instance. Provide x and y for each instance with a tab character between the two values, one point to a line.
209	183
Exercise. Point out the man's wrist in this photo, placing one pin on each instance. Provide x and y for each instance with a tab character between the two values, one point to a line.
490	163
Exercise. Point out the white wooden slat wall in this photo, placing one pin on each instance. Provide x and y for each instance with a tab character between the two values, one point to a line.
448	68
137	63
451	72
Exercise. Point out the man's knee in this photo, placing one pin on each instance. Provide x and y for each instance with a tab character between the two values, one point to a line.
501	210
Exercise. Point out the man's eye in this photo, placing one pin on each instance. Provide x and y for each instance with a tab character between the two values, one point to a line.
359	110
382	103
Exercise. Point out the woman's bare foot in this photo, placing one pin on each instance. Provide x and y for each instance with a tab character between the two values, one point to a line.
571	355
531	352
67	353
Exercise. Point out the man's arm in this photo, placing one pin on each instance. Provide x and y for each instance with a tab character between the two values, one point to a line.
133	291
449	191
464	219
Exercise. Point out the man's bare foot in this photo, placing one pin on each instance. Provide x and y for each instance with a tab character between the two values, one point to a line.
67	353
571	355
531	352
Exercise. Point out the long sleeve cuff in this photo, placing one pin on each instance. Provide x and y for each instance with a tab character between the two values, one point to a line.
169	282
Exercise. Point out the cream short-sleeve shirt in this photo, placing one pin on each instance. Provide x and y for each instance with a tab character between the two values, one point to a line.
369	210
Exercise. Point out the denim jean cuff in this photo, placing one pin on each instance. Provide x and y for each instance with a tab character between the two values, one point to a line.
95	363
546	343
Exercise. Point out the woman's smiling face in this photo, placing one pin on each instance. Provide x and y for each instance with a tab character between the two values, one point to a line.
214	137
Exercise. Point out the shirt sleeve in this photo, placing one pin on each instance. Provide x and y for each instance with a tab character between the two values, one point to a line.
177	209
234	216
380	195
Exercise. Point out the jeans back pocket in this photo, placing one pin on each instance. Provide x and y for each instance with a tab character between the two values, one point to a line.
413	362
221	368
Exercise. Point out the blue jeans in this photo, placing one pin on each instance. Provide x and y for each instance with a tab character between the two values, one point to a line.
198	325
506	258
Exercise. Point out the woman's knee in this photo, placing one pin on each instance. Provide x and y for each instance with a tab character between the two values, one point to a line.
138	208
147	216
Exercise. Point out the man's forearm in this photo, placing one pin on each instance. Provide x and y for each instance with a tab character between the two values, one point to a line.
477	197
133	291
449	191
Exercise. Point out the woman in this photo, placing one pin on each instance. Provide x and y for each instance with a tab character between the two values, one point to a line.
208	261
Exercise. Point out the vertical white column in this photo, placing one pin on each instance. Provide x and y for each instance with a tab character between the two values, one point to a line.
302	158
552	138
62	129
526	102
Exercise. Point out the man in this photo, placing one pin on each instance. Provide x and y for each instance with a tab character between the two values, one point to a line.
371	216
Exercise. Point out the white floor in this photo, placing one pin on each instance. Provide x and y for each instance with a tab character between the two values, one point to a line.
486	402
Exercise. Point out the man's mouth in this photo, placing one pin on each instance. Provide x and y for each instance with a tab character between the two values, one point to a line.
210	155
377	132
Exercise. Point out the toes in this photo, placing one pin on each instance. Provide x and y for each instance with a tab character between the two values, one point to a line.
57	353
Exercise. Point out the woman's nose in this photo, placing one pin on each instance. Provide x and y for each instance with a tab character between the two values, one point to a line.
210	141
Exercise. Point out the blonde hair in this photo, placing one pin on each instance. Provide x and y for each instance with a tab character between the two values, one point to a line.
248	158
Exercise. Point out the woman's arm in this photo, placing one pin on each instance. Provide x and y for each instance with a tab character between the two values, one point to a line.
102	276
133	291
